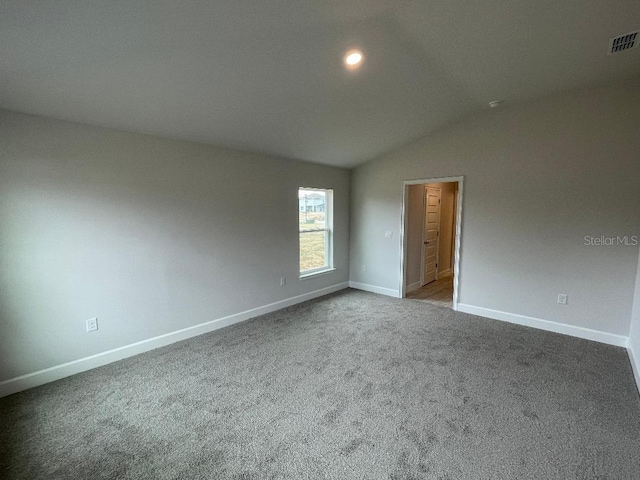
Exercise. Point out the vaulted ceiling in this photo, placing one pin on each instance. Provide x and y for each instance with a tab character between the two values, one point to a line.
267	75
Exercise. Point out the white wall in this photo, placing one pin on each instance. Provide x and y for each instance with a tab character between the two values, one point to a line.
415	224
538	178
149	235
447	191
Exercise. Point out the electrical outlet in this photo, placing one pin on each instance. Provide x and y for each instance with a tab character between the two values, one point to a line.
283	281
92	324
388	234
562	298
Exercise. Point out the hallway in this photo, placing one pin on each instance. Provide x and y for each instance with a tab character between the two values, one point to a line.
438	292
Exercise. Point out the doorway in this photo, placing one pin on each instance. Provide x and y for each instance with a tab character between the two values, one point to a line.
430	247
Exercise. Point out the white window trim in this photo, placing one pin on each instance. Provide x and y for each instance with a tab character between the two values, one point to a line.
328	245
313	273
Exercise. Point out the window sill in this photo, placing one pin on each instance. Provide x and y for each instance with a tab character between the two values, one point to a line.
306	276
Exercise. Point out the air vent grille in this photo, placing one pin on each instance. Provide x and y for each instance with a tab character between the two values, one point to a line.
624	42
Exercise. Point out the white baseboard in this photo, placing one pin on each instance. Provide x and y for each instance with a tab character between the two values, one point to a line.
572	330
444	273
635	365
30	380
413	287
390	292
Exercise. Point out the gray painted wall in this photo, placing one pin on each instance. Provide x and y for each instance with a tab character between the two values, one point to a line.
539	177
634	332
148	235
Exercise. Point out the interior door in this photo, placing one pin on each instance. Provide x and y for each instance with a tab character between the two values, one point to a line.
430	236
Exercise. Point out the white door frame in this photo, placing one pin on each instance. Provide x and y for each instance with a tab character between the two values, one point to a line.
458	239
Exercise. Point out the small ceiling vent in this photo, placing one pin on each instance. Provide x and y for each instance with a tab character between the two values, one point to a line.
624	42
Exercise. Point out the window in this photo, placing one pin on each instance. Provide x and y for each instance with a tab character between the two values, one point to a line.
315	212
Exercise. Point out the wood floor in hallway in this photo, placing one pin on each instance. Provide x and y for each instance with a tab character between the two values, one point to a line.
438	292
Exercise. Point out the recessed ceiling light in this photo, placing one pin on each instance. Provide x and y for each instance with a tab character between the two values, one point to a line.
496	103
353	59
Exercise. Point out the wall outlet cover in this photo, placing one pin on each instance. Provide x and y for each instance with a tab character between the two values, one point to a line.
92	324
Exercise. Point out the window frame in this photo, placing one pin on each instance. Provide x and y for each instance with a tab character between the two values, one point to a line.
328	231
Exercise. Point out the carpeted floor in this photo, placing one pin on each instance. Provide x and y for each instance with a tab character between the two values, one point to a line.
350	386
